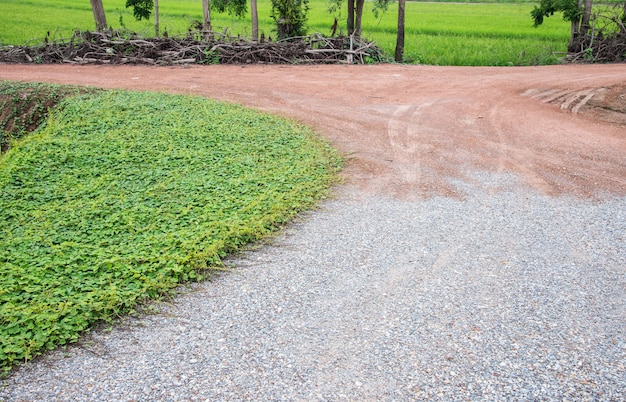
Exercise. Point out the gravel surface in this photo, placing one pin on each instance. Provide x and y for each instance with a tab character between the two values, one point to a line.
505	294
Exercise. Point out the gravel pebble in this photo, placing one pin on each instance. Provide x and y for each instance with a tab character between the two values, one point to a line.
504	295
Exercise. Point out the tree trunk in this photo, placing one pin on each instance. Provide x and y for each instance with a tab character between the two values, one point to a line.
358	17
98	15
351	17
156	18
584	23
255	21
206	11
400	38
574	33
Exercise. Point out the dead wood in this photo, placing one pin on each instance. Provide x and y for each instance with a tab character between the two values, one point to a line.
605	41
113	47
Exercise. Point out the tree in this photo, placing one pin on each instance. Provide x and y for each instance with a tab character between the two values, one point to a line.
355	13
400	38
98	15
142	10
578	12
290	17
237	8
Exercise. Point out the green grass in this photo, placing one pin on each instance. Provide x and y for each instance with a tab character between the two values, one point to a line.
471	34
28	21
436	33
121	196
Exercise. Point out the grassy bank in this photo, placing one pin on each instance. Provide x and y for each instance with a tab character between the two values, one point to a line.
436	33
121	196
24	107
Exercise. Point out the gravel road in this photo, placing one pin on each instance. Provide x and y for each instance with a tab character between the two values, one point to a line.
506	294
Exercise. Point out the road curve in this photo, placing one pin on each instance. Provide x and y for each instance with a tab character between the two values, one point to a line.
408	130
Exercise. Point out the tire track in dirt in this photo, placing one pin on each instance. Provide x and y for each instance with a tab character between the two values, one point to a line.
404	144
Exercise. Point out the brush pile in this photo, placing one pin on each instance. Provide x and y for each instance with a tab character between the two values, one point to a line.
114	47
605	40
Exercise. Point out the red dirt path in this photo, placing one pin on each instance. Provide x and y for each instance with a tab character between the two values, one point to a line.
407	130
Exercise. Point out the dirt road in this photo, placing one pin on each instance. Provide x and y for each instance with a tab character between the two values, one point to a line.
408	130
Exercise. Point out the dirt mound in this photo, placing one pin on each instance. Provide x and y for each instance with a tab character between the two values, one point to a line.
24	106
609	104
605	103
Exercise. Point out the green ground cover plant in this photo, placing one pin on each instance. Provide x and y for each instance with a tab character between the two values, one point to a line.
121	196
436	33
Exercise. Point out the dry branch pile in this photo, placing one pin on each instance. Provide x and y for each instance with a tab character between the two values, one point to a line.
112	47
605	41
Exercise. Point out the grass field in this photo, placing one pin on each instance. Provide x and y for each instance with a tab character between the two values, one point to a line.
436	33
121	196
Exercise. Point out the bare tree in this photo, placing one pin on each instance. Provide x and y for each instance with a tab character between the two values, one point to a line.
255	20
206	10
358	17
98	15
156	18
355	16
350	22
